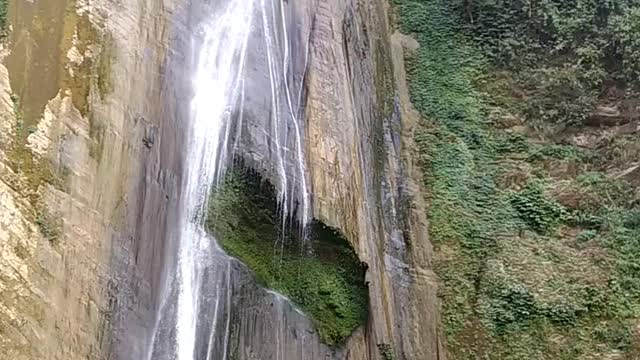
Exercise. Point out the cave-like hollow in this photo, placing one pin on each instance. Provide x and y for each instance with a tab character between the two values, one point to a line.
316	269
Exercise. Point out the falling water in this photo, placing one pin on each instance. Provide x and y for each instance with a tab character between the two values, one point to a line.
220	47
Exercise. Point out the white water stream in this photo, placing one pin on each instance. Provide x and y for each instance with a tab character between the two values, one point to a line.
216	115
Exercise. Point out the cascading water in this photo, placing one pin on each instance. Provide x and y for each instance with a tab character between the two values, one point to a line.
196	298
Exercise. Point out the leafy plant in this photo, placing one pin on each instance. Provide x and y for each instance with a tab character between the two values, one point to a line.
564	54
586	236
627	31
539	212
386	351
513	306
560	96
562	314
559	59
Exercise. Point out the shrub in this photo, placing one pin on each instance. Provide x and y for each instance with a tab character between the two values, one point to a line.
513	305
562	314
536	210
627	33
386	351
558	96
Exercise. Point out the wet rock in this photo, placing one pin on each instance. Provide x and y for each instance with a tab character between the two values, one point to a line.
97	295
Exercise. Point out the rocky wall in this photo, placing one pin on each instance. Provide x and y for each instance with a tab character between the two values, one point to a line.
88	189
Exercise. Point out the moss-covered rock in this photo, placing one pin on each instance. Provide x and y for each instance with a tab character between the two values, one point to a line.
326	282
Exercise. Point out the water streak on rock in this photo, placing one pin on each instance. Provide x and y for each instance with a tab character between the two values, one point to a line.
197	301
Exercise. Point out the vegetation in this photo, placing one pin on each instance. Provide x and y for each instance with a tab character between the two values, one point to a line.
564	55
386	351
50	225
534	208
535	236
328	284
4	10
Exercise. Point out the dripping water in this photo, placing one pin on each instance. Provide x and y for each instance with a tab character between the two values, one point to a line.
220	48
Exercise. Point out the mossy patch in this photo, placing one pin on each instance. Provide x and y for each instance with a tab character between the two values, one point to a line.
35	170
327	284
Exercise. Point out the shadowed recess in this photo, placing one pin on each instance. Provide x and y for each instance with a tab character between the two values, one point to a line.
328	283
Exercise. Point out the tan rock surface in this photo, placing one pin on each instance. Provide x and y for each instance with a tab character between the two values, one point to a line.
57	295
364	172
92	293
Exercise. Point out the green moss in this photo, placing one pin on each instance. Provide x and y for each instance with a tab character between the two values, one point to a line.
328	284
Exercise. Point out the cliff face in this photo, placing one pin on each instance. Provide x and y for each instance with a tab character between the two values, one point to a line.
91	167
84	202
360	151
359	157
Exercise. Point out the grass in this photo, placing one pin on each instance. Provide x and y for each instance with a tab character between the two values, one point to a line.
328	285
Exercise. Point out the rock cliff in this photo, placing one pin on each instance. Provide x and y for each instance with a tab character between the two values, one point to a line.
91	156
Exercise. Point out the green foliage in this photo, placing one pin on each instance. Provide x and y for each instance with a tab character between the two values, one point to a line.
558	152
524	32
512	143
386	351
467	210
50	225
328	285
605	191
560	96
4	9
512	306
564	54
562	314
586	236
627	32
621	234
616	333
558	56
534	208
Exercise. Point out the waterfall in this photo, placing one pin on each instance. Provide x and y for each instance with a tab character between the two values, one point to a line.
197	300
